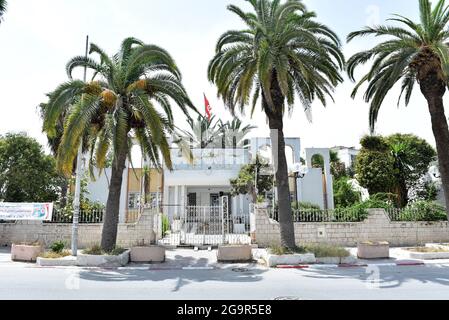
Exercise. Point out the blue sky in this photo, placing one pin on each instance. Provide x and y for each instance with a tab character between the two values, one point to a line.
37	38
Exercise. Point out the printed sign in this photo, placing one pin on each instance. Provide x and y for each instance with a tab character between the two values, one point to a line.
26	211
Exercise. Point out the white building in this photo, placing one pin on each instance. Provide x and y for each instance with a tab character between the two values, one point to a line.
347	155
205	181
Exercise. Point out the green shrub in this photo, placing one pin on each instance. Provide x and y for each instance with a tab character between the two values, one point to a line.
423	211
344	194
57	247
97	251
165	225
305	206
117	251
94	250
280	251
327	251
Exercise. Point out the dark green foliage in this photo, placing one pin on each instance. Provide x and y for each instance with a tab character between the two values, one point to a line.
165	225
413	53
57	247
344	194
244	184
3	5
396	164
423	211
26	173
374	166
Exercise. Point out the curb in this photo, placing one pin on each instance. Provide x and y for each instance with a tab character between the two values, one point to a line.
355	266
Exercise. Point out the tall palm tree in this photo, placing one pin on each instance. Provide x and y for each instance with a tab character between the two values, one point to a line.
282	54
3	5
131	101
415	52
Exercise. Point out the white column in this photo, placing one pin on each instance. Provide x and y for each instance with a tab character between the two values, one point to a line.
183	199
235	210
241	202
176	201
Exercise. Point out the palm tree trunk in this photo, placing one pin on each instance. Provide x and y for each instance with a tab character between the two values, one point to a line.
111	220
276	123
433	90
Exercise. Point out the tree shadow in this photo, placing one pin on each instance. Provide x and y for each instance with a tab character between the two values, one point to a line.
183	278
202	267
385	277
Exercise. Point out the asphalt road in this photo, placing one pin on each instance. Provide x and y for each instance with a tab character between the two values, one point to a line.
24	281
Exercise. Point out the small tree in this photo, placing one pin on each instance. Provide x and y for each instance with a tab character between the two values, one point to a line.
245	182
26	173
412	158
375	165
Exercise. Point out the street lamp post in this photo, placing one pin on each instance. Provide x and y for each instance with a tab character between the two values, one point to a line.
300	172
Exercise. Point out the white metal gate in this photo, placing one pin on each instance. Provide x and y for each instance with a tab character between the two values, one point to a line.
208	225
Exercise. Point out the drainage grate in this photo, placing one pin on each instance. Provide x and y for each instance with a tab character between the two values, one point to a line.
240	270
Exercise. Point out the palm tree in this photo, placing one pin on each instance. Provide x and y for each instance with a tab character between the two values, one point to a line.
415	52
3	5
283	54
234	133
131	101
203	133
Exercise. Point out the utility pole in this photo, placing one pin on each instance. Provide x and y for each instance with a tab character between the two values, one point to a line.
79	174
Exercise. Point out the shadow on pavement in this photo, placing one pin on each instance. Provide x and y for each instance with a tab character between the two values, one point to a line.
182	277
385	277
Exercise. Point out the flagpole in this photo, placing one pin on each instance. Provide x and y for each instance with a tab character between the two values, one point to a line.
79	169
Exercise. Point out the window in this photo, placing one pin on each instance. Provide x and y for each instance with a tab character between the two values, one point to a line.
155	198
134	200
191	199
214	200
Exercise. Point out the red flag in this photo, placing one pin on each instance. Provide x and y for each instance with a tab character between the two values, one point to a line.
208	108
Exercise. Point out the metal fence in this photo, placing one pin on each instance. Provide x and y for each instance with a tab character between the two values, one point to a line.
205	225
92	216
359	215
317	215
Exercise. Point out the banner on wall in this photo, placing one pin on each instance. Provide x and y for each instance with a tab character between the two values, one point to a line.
26	211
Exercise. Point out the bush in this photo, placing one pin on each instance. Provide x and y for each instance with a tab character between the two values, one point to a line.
327	251
57	247
165	225
97	251
423	211
94	250
280	251
344	195
305	206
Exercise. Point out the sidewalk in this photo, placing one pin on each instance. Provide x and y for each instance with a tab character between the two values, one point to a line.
188	259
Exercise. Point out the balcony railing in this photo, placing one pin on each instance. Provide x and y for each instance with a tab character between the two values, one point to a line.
204	159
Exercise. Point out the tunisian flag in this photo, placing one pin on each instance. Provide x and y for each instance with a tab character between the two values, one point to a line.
208	108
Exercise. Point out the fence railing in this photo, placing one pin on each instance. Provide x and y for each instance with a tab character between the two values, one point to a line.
316	215
359	215
91	216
